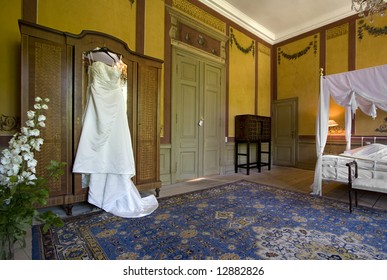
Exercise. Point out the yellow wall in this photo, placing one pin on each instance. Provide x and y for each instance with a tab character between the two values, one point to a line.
298	75
337	51
154	38
154	28
241	80
10	12
367	126
71	16
264	85
295	78
371	50
117	18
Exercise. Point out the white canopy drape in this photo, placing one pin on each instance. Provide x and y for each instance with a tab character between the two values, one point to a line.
365	89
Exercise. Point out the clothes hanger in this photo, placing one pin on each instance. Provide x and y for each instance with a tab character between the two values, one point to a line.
107	51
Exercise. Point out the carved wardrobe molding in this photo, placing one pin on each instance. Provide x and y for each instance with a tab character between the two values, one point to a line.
52	66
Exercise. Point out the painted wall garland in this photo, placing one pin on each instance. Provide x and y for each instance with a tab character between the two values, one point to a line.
312	44
250	48
374	31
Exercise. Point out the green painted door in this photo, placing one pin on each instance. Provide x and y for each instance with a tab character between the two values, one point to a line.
197	85
285	132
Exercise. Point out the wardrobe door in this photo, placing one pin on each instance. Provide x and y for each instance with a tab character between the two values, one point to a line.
45	74
147	128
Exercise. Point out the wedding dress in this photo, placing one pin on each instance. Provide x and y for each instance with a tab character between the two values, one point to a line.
105	154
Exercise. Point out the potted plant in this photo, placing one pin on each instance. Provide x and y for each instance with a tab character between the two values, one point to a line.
21	190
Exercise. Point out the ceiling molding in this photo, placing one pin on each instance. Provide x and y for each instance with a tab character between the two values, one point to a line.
314	24
233	14
251	25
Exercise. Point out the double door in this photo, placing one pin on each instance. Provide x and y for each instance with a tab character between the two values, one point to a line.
197	137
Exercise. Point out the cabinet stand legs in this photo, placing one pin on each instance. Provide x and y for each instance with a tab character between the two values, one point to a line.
259	153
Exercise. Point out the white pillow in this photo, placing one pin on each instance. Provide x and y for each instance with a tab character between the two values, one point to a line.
368	150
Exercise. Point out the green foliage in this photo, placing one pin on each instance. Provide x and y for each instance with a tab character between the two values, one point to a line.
20	189
17	216
56	169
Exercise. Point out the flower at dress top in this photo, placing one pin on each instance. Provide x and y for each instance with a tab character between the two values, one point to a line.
21	190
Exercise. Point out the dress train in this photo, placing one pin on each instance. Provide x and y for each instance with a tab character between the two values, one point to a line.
116	194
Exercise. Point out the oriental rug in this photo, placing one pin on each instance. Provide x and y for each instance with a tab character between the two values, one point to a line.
239	220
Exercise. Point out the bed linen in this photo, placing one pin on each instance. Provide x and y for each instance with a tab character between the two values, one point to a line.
371	159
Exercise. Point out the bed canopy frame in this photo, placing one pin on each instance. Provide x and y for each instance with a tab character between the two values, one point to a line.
365	89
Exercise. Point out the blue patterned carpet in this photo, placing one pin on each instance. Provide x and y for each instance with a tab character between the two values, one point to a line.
240	220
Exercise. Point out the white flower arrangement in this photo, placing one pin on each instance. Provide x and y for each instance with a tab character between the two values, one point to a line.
20	188
18	163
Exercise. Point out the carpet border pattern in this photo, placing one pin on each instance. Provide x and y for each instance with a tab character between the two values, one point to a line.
237	220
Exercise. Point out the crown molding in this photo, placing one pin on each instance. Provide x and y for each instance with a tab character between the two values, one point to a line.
314	24
233	14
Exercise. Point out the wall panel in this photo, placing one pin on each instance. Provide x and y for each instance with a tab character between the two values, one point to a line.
298	76
241	78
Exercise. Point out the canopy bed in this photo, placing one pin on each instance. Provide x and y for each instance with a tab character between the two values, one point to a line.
365	89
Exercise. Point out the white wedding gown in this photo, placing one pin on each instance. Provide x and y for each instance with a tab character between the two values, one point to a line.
105	154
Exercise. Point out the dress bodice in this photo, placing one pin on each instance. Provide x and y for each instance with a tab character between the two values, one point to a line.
104	75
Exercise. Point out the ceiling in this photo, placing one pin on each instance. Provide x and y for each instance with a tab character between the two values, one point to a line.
277	20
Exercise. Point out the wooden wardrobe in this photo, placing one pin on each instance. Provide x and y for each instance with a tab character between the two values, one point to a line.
52	65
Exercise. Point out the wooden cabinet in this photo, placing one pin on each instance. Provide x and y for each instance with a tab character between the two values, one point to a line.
52	65
146	106
252	129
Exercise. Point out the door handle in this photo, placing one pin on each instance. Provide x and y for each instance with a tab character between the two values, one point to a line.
201	122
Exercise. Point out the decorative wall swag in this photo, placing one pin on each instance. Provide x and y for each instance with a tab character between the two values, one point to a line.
8	123
250	48
312	44
374	31
382	127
